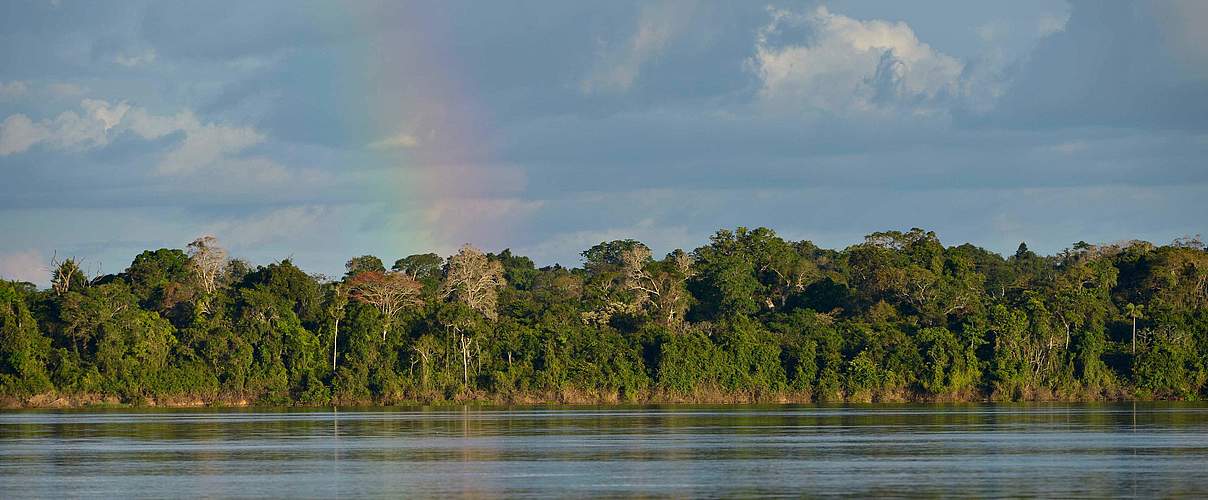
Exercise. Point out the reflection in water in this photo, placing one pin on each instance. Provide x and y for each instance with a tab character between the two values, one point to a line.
980	450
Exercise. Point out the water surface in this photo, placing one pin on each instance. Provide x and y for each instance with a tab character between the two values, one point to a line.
1140	450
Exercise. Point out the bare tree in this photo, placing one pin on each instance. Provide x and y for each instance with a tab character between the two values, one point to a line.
66	275
390	293
661	291
207	261
634	276
474	280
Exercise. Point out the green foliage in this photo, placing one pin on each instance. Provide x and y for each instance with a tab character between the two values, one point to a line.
725	282
749	315
159	279
950	366
23	349
1170	360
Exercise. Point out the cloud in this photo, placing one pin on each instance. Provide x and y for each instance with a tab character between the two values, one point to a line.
399	140
849	65
205	145
108	115
149	126
617	68
130	61
18	133
1125	65
68	131
9	90
23	266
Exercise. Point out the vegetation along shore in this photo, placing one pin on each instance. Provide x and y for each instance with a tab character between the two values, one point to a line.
749	317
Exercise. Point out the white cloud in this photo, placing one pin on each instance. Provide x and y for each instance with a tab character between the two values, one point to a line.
399	140
23	266
207	144
18	133
9	90
130	61
149	126
851	65
108	115
617	68
204	145
68	131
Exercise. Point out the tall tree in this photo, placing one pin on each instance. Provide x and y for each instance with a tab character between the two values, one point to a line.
1134	311
334	302
390	293
207	260
66	276
363	264
474	280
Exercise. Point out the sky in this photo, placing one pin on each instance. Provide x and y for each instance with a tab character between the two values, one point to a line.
318	131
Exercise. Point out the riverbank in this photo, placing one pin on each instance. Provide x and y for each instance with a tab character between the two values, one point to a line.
568	397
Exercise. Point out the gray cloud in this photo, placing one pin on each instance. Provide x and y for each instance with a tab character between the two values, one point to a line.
323	132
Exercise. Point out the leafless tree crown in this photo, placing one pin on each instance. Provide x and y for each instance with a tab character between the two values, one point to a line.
474	279
207	260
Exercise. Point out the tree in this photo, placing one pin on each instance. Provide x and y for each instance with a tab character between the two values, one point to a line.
749	314
390	293
23	348
607	255
724	281
657	286
66	276
422	266
334	304
1135	312
474	281
207	261
300	290
159	278
363	264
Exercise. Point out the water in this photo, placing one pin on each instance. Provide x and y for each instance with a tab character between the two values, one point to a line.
1142	450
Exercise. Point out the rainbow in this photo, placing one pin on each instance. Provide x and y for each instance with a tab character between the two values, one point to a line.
424	129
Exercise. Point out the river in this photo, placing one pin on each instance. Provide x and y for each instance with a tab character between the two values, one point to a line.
1052	450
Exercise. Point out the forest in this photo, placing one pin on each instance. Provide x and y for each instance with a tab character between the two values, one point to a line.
749	317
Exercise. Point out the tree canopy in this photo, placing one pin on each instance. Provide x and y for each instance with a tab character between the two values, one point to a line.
748	316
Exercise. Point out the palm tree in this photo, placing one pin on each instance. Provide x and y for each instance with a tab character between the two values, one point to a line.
1134	311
